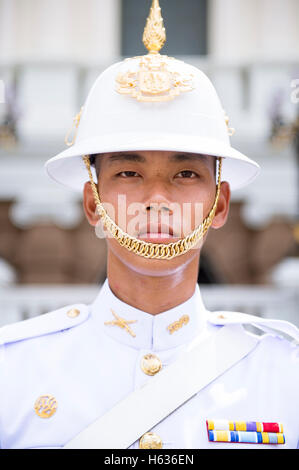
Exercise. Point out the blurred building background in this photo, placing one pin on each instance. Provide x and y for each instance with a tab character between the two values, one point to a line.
51	51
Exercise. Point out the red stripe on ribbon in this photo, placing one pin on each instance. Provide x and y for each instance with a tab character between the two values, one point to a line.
271	427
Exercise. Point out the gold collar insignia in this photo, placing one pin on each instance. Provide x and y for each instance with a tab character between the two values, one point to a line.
178	324
122	323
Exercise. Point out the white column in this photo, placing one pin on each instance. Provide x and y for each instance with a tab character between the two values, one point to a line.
66	30
232	29
95	30
7	29
110	33
279	32
43	29
253	29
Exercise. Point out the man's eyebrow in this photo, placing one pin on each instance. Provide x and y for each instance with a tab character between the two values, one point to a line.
135	157
181	157
132	157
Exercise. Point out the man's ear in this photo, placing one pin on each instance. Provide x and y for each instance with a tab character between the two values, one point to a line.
89	204
222	206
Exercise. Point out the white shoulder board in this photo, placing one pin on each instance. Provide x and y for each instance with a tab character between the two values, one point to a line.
265	324
58	320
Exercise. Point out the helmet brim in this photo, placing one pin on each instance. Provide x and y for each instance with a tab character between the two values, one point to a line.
68	167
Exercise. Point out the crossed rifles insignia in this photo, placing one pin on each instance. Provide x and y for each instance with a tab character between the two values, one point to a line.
122	323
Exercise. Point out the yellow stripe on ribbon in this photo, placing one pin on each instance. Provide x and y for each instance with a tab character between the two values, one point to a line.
280	438
240	426
265	438
223	436
259	427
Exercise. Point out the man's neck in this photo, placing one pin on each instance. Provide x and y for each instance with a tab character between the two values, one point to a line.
151	294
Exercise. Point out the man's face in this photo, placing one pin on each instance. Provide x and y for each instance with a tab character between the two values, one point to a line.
158	197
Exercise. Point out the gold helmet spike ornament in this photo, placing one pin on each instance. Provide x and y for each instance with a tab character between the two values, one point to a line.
155	77
154	36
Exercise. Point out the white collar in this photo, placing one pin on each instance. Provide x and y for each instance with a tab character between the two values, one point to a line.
151	331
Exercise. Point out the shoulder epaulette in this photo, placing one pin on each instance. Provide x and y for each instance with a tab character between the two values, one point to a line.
58	320
265	324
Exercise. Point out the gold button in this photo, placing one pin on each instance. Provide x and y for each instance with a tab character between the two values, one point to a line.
151	364
150	440
221	316
73	313
45	406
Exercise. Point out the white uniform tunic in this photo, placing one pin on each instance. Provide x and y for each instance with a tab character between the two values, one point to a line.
89	366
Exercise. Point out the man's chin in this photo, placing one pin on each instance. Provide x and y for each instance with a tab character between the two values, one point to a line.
152	267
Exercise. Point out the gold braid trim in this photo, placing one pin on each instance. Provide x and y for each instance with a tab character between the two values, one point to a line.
154	250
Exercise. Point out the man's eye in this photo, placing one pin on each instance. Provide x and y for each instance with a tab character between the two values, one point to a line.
127	174
186	174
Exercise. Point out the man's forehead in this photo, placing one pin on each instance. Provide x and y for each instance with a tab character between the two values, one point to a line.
147	156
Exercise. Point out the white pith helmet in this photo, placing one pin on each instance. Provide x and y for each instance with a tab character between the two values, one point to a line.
152	102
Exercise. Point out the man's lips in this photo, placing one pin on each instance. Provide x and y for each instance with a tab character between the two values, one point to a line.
161	238
156	229
157	234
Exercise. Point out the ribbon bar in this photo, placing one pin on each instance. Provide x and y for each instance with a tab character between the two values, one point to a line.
248	437
251	426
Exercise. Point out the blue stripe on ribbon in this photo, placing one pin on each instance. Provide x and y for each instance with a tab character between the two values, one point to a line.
272	438
259	438
249	437
234	436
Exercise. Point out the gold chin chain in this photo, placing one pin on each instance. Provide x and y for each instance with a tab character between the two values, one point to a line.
154	250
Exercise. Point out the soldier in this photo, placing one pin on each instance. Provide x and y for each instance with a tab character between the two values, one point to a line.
146	365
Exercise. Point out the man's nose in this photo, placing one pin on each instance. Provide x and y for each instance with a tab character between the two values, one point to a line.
157	198
156	206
